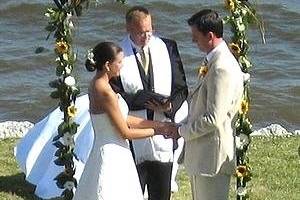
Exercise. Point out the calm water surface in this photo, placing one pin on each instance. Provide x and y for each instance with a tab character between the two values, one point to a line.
24	75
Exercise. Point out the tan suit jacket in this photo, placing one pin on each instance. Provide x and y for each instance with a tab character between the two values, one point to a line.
213	105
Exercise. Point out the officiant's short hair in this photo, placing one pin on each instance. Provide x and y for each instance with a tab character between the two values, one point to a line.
206	21
134	12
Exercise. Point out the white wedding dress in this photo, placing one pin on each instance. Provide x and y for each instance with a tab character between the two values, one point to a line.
35	156
110	172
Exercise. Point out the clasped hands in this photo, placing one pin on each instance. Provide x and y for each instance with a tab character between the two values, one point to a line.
168	130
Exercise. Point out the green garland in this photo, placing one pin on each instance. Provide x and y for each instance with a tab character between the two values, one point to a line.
242	14
66	90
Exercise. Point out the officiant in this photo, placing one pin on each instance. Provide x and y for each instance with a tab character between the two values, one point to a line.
153	83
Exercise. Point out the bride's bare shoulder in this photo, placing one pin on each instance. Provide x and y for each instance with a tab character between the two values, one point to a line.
101	90
101	97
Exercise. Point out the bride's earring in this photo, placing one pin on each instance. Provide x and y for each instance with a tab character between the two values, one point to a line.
106	66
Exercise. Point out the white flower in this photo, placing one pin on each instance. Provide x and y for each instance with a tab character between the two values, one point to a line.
68	22
242	140
47	14
241	191
240	25
244	12
50	12
69	185
70	81
90	56
65	56
248	122
238	143
74	88
68	69
68	140
246	77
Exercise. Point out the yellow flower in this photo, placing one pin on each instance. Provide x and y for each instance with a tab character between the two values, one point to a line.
230	4
242	171
244	107
72	110
61	47
235	49
202	70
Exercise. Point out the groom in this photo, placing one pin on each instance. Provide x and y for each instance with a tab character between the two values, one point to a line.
209	131
152	82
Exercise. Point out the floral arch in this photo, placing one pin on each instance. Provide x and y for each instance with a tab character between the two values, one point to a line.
241	14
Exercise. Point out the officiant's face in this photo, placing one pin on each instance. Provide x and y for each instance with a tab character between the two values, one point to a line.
140	30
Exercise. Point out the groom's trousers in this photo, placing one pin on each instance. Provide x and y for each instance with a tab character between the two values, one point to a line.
157	176
212	188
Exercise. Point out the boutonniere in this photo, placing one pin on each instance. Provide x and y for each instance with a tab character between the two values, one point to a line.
202	71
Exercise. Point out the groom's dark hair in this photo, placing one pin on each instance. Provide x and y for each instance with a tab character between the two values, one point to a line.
207	21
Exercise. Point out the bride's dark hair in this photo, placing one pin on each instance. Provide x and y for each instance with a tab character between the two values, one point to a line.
102	52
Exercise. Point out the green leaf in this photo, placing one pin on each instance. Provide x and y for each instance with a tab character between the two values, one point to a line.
39	50
59	152
63	128
55	94
227	19
58	144
55	84
60	162
57	137
121	1
68	195
59	70
73	128
50	27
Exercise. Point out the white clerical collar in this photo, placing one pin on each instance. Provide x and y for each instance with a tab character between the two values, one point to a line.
220	46
137	48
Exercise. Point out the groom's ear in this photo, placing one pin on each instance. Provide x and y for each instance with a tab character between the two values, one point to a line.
210	35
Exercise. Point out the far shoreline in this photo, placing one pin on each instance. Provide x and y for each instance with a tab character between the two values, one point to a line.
18	129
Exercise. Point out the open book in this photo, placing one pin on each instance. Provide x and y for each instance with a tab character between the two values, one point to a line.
142	96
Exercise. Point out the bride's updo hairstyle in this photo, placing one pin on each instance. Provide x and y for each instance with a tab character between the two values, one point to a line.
103	52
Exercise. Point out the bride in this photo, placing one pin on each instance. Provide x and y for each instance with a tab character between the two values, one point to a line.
109	171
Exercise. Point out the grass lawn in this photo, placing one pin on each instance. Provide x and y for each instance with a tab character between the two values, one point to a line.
275	163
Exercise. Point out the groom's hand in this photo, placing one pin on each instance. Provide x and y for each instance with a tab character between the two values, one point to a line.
172	131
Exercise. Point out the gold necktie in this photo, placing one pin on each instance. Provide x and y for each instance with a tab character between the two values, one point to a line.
145	60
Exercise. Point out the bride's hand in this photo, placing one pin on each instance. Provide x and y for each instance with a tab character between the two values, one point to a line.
168	130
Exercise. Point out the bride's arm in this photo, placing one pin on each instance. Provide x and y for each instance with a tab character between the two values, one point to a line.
111	107
169	129
137	122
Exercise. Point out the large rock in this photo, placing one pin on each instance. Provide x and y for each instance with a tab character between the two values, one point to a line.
274	130
19	129
10	129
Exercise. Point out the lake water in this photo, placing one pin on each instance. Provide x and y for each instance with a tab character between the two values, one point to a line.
24	75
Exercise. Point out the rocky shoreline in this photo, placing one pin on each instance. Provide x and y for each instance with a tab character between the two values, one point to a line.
15	129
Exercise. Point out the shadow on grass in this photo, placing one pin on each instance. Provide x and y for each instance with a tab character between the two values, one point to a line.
16	185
